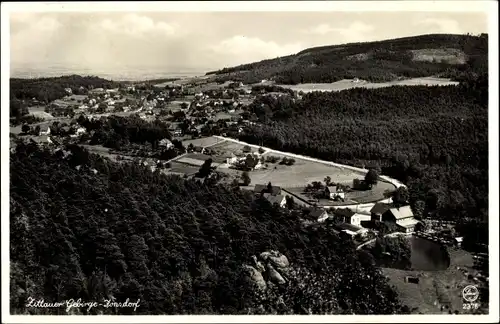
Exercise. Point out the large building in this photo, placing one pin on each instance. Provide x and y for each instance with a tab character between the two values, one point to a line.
402	216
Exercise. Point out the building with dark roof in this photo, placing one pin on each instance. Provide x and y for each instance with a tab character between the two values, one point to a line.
378	210
275	199
261	188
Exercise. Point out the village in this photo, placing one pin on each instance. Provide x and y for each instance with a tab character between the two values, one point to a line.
200	115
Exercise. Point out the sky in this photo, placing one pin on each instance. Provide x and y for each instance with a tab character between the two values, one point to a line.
204	41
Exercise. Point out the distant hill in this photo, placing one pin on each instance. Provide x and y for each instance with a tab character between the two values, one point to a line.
443	55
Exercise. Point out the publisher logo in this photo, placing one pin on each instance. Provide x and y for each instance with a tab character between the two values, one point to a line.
470	294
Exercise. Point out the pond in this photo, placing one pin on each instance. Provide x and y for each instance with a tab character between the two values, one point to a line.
427	255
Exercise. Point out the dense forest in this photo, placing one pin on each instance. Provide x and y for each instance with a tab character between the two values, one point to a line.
85	227
434	139
49	89
116	132
374	61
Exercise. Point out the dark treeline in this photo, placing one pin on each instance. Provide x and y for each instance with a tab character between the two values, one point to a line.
434	139
271	88
123	231
373	61
50	89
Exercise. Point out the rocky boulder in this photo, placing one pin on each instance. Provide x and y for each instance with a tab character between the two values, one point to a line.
255	276
271	266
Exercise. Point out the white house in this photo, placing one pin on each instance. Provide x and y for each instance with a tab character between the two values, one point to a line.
47	132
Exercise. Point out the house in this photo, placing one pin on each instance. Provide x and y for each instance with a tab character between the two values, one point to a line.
166	143
275	199
68	91
351	217
378	210
44	130
458	241
318	214
261	189
334	192
403	217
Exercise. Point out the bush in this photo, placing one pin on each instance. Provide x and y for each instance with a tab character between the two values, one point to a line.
245	178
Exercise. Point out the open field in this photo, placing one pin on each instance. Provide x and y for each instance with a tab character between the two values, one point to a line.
230	147
294	177
196	161
183	168
226	115
349	84
202	157
203	142
436	289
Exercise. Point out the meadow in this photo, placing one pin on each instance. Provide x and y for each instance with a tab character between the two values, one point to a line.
349	84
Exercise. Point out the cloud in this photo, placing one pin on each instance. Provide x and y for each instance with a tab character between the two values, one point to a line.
443	25
240	49
31	38
355	31
136	25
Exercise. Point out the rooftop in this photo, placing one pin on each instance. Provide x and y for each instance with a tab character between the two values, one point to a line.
278	199
402	212
346	212
263	188
379	208
407	222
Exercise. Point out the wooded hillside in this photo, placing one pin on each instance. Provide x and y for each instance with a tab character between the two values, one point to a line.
442	55
434	139
84	227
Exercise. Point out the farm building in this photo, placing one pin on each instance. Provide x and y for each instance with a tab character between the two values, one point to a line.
261	189
44	130
275	199
317	214
378	210
403	217
458	241
351	217
334	192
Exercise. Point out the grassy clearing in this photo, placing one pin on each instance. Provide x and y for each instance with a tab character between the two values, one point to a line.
203	142
183	168
349	84
230	147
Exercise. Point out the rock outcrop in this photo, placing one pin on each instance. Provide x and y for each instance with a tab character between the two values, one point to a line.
271	267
